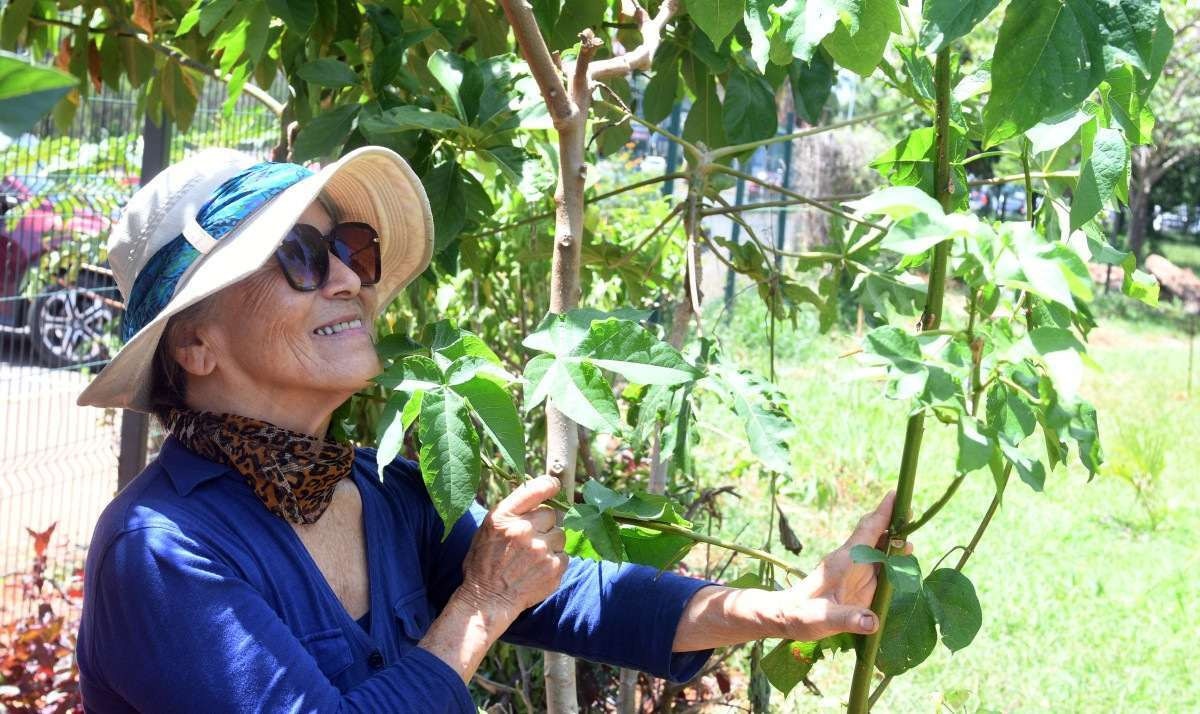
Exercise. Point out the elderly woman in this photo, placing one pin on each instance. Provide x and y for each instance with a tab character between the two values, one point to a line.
257	566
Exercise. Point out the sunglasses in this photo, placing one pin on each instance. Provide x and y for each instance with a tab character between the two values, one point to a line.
304	254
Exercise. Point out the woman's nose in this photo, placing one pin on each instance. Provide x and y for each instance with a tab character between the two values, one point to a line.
343	282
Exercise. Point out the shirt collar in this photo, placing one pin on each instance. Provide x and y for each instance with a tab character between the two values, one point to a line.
186	468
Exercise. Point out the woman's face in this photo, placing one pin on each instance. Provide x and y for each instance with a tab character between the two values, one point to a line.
267	334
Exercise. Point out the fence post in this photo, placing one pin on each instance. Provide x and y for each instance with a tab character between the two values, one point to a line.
668	188
135	426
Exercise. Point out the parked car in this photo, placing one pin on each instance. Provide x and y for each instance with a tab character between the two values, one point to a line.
69	322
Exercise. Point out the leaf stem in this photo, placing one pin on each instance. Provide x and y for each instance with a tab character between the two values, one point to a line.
932	511
867	647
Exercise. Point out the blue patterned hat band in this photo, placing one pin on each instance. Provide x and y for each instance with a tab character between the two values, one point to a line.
230	204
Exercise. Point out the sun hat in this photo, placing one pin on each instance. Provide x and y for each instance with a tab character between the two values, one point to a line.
216	217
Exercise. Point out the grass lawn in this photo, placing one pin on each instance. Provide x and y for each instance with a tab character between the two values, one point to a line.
1086	609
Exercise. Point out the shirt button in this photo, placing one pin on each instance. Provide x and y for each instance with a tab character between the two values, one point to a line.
375	660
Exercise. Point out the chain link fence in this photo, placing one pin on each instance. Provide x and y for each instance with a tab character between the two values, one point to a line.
61	194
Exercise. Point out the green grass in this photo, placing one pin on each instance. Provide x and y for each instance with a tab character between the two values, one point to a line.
1186	255
1085	608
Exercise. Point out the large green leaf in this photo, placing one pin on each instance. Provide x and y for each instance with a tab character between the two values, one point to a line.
716	17
592	532
705	122
496	411
578	389
948	20
955	607
298	15
28	92
812	82
789	663
390	433
407	118
909	633
860	48
1051	55
661	92
759	21
627	348
1099	176
326	133
749	109
448	201
647	546
974	446
450	460
328	72
806	22
768	428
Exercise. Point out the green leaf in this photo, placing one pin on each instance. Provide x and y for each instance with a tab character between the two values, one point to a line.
579	390
1009	416
450	460
716	18
663	89
955	607
974	447
498	415
789	663
460	79
759	22
1055	131
408	118
1138	284
896	346
806	22
749	108
601	496
860	49
909	633
947	20
453	342
646	546
705	121
396	345
910	162
572	18
390	433
897	202
328	72
1031	471
298	15
768	428
1062	353
811	82
28	92
592	532
325	134
1099	176
627	348
448	201
1051	55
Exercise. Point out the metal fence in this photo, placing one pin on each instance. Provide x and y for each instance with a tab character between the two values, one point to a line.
59	310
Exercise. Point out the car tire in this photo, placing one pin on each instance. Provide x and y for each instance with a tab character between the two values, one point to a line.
71	326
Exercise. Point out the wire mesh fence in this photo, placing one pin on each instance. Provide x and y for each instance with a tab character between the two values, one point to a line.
60	310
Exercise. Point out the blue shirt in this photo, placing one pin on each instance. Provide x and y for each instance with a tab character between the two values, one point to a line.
198	599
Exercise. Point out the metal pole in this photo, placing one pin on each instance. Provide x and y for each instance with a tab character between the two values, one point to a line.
668	188
781	220
738	199
135	426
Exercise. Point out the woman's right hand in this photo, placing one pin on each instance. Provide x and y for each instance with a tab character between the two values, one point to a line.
516	558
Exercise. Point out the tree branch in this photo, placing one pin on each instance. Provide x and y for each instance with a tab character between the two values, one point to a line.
640	57
537	56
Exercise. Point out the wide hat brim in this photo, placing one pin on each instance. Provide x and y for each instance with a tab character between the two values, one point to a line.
372	184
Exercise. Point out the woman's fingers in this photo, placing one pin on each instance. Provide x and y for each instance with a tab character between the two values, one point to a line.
847	618
528	496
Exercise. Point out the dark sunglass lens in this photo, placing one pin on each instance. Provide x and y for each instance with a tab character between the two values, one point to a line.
304	257
357	245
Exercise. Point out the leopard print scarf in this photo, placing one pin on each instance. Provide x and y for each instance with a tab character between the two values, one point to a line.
293	474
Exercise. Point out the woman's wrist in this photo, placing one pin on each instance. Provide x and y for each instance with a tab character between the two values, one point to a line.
465	630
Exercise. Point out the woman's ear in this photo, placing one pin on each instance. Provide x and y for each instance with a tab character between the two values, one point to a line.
193	351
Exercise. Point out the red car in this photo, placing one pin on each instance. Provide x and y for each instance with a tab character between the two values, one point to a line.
69	322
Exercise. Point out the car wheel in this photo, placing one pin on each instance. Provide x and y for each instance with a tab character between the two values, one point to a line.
70	327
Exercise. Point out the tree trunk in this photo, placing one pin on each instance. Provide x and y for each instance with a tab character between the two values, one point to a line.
1139	201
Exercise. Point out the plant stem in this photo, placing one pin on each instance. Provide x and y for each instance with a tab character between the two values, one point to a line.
867	647
799	197
812	131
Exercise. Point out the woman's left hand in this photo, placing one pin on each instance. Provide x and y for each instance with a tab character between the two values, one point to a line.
836	597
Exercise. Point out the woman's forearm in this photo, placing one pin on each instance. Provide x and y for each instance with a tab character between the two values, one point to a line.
718	616
462	635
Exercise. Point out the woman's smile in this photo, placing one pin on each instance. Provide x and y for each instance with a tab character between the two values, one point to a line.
342	327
